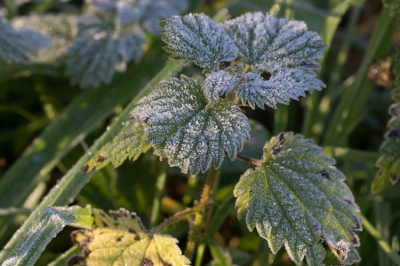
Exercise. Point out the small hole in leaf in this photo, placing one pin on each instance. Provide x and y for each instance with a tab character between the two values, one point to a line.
266	75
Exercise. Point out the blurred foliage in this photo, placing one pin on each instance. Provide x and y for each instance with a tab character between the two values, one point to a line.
35	95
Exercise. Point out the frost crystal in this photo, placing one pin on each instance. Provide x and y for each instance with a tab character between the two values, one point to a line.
285	84
181	128
122	240
20	46
283	48
298	199
99	51
219	83
389	162
49	223
60	28
128	144
197	38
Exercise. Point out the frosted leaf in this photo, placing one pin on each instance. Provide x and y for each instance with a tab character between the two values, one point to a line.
285	49
181	128
128	144
219	83
297	198
128	13
49	223
60	28
122	240
197	38
389	162
22	45
266	41
97	52
284	84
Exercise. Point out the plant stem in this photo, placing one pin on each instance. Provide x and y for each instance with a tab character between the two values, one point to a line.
248	160
160	185
177	216
198	222
384	245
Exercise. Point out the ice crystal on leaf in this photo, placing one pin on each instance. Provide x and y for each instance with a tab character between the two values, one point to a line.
128	144
285	49
298	199
112	34
219	83
99	51
49	223
389	162
197	38
60	28
122	240
181	128
284	84
22	45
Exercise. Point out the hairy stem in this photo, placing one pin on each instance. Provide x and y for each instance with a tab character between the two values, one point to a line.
198	222
177	216
382	243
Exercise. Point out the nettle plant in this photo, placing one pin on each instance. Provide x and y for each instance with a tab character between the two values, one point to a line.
294	195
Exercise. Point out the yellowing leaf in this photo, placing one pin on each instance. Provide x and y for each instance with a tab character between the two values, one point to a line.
121	239
298	199
128	144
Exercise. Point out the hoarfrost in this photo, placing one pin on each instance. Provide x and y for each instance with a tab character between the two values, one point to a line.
22	45
49	223
297	198
197	38
285	49
219	83
179	126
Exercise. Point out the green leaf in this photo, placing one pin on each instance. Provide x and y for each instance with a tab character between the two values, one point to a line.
283	48
49	223
389	162
219	83
122	240
298	199
99	51
20	46
70	184
60	28
181	128
128	144
394	5
197	38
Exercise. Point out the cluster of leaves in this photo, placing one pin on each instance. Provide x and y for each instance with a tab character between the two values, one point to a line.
121	239
94	46
110	35
187	122
20	46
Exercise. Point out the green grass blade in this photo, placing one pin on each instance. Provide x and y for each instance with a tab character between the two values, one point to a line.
382	221
325	104
70	185
71	127
331	24
62	260
281	115
352	154
48	224
351	105
391	253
